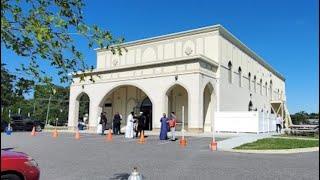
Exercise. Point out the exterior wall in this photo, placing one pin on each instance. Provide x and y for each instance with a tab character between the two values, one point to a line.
204	44
192	59
155	85
230	101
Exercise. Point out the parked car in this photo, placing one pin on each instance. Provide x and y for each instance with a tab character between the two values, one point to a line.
18	166
3	125
25	124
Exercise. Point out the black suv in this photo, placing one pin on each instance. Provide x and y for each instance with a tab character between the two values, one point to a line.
25	124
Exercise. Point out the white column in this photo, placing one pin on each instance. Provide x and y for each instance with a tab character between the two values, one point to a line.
217	87
73	111
195	115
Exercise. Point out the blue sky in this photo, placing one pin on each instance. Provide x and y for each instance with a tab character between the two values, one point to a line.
285	33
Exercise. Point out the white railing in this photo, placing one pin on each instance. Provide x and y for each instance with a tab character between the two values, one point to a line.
253	121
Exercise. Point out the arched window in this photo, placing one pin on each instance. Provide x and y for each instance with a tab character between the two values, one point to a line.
266	89
249	81
261	86
240	76
255	84
250	106
271	91
230	72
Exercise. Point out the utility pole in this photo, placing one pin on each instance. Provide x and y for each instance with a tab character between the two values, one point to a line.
48	110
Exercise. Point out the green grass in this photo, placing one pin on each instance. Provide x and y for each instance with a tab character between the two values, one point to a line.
297	136
278	143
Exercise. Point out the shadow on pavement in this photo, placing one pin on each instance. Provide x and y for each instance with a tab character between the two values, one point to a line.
120	176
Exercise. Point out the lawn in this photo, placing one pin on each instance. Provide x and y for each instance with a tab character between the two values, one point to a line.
297	136
279	143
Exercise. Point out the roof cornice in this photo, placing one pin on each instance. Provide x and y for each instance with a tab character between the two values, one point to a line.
222	31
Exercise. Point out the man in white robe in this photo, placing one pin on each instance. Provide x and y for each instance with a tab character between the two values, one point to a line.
129	127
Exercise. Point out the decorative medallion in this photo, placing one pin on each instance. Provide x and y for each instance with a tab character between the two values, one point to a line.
115	62
188	51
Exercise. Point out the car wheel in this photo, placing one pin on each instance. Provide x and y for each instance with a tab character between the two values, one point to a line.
38	128
10	177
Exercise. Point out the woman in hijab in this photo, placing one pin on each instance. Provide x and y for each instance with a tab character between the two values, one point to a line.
164	127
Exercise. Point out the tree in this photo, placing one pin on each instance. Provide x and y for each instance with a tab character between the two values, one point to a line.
59	101
12	92
300	117
41	31
7	91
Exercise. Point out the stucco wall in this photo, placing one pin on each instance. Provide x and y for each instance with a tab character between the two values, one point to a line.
236	98
204	43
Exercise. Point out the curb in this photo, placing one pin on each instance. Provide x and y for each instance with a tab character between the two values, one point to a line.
282	151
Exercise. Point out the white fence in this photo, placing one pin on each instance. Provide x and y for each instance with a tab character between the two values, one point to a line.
252	121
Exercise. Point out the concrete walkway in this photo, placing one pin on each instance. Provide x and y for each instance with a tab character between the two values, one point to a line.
243	138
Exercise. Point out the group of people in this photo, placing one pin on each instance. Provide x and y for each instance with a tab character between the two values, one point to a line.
168	124
104	125
135	124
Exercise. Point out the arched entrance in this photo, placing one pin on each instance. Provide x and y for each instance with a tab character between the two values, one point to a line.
208	107
83	103
125	99
177	97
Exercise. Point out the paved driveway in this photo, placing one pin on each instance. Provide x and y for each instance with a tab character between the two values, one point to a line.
92	157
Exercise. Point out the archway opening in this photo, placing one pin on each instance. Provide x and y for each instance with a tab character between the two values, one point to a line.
178	98
83	111
207	107
125	99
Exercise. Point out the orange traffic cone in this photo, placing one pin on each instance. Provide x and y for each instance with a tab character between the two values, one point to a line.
183	142
55	133
109	136
213	145
33	132
142	140
77	136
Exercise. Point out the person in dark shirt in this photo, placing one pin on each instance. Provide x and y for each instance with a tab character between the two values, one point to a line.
116	123
141	124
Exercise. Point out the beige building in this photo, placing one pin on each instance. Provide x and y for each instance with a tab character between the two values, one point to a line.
217	79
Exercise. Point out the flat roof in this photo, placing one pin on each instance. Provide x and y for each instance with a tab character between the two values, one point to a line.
222	31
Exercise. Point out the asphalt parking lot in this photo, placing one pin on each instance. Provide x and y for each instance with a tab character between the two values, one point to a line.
91	157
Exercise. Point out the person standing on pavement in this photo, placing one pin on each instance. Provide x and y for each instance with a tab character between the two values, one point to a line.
164	127
279	121
103	122
116	123
129	127
141	124
172	125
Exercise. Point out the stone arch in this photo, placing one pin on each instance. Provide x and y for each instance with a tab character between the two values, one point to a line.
125	98
208	93
82	108
176	96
